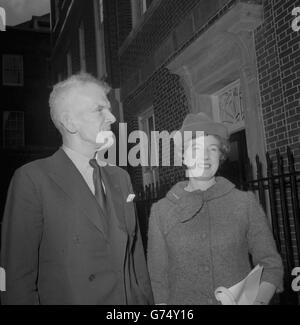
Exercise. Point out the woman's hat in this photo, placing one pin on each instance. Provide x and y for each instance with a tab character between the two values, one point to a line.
200	122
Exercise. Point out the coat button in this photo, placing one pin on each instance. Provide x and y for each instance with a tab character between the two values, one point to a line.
204	236
206	269
92	277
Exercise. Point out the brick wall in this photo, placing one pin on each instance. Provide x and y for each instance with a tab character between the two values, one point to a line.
165	93
170	109
139	60
277	54
278	62
165	30
135	172
163	21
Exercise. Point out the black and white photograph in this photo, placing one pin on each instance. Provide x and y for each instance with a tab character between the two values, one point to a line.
151	155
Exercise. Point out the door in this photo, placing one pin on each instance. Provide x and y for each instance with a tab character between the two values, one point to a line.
236	168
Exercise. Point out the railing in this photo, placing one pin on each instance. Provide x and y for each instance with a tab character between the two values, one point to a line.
278	193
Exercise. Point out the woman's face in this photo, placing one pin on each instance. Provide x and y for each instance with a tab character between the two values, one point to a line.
202	157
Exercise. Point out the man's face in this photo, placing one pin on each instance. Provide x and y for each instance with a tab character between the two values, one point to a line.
203	157
90	113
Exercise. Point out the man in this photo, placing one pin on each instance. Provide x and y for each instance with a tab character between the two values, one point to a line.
69	237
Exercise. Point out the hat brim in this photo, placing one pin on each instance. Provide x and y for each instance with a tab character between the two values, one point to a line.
185	134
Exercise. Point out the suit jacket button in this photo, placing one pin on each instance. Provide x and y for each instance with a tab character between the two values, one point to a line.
92	277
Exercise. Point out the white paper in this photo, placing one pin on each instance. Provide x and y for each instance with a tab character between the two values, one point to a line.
130	197
242	293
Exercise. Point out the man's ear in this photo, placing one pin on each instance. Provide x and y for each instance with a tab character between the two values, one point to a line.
68	123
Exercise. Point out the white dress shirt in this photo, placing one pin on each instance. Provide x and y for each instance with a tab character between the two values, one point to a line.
82	163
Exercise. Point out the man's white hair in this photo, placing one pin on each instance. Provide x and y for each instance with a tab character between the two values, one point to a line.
61	91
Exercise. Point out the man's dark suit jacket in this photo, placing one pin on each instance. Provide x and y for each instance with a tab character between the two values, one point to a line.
56	248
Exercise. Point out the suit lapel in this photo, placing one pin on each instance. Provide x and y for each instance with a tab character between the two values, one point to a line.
65	174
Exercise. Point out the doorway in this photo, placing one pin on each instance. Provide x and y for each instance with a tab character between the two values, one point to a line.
236	168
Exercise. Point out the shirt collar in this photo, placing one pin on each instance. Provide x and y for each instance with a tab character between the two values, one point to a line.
79	160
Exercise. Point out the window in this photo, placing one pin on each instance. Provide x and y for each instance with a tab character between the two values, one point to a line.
69	64
82	48
12	70
13	129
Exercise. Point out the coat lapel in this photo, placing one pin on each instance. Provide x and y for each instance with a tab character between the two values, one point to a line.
65	174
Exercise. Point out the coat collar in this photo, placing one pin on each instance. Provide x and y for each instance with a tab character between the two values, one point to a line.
188	204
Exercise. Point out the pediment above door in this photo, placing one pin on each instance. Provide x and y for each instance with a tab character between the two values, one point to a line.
216	57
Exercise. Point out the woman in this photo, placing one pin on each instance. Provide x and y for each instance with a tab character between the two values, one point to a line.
202	233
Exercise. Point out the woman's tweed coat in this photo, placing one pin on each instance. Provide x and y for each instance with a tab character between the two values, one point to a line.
198	241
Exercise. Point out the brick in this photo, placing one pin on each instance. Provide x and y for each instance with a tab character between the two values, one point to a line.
291	91
281	130
294	133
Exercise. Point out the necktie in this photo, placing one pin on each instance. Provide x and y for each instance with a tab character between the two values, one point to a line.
99	191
